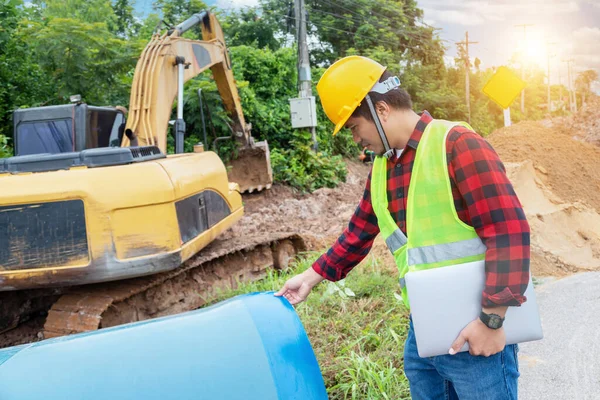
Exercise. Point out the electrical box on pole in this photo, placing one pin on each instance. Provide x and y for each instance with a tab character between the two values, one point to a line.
304	112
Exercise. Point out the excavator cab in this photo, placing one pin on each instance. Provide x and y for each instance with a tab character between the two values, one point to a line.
66	128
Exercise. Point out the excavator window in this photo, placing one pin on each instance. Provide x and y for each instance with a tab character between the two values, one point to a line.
103	127
54	136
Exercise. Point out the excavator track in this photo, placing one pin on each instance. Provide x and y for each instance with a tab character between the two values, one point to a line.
192	285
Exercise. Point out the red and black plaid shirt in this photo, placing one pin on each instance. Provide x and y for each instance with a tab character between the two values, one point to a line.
484	198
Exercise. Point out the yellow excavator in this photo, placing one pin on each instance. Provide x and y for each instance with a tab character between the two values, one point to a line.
99	226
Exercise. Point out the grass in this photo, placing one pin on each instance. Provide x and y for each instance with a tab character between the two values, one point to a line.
357	328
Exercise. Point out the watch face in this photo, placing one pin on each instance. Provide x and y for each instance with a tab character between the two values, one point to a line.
495	321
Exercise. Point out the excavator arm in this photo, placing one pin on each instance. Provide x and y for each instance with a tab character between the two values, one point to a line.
166	63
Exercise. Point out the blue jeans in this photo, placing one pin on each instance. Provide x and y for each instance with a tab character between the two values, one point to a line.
461	376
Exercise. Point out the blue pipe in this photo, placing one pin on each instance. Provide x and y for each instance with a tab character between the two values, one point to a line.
248	347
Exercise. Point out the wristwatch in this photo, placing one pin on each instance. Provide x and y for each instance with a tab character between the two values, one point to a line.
492	321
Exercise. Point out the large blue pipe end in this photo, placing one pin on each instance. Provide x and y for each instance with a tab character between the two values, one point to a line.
249	347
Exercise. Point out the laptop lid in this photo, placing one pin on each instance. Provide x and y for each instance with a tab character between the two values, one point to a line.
445	300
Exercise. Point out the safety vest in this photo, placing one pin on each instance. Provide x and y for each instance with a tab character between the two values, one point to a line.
436	235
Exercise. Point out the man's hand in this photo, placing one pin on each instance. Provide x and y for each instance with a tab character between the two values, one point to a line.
483	341
297	289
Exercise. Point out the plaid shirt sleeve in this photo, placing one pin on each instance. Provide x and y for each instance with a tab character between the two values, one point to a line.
497	216
354	244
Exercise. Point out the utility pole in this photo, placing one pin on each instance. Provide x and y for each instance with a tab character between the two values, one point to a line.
523	65
466	43
559	87
571	108
304	78
549	55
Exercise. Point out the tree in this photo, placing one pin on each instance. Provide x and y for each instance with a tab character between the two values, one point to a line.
176	11
125	24
583	83
356	24
249	27
81	57
24	83
91	11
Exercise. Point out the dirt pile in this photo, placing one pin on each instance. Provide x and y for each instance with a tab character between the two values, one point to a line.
565	237
320	217
568	167
557	179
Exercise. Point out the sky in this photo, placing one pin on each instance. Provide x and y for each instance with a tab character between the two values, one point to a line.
564	29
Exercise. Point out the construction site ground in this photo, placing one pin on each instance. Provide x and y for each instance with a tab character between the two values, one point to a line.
554	166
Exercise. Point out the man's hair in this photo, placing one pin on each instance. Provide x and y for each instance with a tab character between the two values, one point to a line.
396	98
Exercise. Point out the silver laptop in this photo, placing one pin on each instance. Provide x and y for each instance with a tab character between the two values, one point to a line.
445	300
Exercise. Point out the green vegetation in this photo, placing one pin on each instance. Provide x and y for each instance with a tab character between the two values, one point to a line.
51	49
360	351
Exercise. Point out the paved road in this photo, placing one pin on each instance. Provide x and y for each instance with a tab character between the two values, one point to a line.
566	363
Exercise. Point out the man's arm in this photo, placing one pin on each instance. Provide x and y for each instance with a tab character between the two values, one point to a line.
354	243
498	217
348	251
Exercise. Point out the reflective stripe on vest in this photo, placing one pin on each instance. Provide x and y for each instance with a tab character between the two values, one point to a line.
445	251
436	236
396	240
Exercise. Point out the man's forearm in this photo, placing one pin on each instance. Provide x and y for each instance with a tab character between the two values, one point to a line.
313	278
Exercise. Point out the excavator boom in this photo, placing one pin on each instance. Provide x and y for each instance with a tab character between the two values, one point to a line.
166	63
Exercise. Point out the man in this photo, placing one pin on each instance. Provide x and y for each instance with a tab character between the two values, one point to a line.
429	167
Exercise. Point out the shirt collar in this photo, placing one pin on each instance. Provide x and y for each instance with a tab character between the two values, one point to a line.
415	137
417	134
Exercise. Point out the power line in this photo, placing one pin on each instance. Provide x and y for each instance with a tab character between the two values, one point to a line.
419	35
385	41
419	39
373	12
342	7
363	20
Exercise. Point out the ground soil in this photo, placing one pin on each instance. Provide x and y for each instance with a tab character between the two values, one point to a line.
556	173
568	167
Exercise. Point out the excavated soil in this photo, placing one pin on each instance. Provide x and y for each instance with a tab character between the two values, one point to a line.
565	236
319	217
554	166
568	167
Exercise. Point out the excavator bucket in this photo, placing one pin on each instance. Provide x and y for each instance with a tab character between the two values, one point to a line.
251	170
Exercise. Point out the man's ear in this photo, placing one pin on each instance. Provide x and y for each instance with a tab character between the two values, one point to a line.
383	110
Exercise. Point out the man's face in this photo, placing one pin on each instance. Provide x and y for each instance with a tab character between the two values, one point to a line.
364	132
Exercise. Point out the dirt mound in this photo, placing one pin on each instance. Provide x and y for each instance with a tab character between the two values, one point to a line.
570	168
565	237
557	178
321	215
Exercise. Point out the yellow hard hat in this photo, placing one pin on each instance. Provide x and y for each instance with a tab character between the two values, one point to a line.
345	84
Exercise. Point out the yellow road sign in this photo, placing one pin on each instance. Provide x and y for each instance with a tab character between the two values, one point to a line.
503	87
